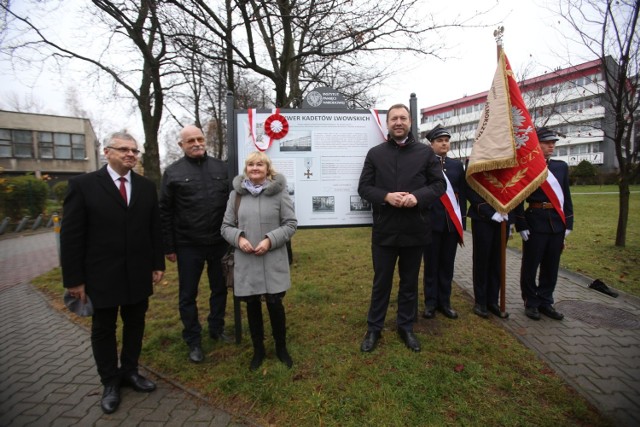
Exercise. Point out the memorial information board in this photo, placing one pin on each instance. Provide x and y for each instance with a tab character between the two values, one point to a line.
321	153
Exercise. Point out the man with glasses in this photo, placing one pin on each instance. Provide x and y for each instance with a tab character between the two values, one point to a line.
193	200
111	253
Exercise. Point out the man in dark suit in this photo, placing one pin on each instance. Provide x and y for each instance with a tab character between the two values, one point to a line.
448	220
111	250
543	230
401	178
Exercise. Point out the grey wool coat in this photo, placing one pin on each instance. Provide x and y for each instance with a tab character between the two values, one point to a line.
269	214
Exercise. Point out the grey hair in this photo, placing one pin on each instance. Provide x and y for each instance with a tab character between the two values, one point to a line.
120	135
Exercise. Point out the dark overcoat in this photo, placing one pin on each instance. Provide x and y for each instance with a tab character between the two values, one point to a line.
108	246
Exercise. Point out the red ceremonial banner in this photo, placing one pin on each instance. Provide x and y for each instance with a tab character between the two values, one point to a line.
506	164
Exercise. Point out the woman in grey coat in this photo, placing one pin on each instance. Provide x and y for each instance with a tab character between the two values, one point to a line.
264	222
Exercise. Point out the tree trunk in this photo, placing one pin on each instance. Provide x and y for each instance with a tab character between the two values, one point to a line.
623	212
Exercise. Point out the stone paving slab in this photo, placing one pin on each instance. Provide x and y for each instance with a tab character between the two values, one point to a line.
50	379
47	373
596	351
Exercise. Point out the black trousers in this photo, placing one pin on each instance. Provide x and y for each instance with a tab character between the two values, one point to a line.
191	261
105	345
384	263
486	261
439	262
541	250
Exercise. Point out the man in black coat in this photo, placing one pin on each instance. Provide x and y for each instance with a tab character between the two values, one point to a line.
448	220
543	231
193	200
111	251
401	178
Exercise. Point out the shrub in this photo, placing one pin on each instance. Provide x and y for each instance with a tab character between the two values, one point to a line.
60	190
584	173
24	195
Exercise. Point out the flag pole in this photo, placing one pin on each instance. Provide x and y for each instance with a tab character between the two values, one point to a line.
498	33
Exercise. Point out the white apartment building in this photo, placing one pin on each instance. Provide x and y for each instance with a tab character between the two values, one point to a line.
570	101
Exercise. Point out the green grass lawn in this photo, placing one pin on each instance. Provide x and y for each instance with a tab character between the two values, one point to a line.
470	371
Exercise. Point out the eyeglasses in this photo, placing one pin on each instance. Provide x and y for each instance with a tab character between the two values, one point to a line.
125	150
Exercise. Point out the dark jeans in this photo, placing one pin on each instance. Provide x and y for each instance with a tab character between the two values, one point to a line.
104	343
191	260
384	264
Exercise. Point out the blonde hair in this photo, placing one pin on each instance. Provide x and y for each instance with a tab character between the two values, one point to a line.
259	156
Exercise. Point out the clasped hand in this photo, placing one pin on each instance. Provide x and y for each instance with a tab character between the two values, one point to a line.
262	248
401	199
498	217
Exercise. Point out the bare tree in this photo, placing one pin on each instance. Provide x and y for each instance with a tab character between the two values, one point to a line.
609	29
24	104
295	43
138	24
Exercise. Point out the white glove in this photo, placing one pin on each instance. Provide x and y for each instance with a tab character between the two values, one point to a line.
566	232
505	217
525	235
497	217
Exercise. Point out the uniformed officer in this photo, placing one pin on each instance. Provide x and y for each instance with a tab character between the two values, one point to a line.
447	224
487	248
543	230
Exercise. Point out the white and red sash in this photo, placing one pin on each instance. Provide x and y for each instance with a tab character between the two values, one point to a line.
381	126
553	191
452	207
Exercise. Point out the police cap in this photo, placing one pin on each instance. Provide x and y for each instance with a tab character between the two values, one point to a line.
546	134
437	132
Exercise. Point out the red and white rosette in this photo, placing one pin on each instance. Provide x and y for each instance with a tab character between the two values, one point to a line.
276	127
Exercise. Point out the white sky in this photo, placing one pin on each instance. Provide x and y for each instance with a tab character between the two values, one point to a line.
531	41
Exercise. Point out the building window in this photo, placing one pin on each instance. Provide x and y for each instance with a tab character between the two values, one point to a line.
77	147
16	143
45	144
5	143
62	145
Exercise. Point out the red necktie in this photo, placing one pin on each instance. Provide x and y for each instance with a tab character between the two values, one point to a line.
123	189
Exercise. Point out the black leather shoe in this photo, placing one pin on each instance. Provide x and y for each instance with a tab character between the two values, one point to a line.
138	383
481	311
221	336
195	354
532	313
448	312
370	341
429	313
409	339
284	356
495	309
110	399
551	312
257	359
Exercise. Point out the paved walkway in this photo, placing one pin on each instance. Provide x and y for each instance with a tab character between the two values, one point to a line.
47	372
596	348
48	378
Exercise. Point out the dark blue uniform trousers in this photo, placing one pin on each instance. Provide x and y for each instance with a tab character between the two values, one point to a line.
541	250
486	261
439	261
384	263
